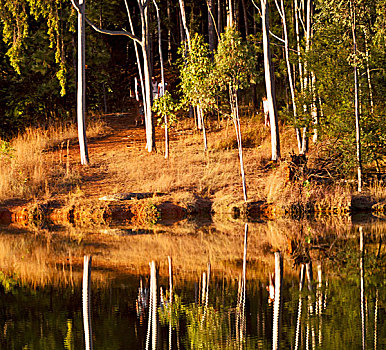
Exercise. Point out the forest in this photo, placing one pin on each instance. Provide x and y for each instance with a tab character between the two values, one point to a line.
320	64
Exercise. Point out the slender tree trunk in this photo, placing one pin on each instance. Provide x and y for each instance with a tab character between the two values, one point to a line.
314	110
150	130
376	320
236	121
310	276
184	23
81	97
270	84
162	79
357	117
139	67
368	75
301	73
87	302
200	118
154	276
170	300
219	16
305	73
277	302
181	28
291	85
230	14
319	304
245	17
168	11
298	324
211	32
363	301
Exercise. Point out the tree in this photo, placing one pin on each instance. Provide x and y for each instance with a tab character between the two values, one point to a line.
165	107
81	89
196	70
235	63
270	83
282	13
145	44
337	58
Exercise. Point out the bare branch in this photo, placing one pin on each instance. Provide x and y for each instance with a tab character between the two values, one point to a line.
301	21
214	22
258	8
278	9
114	32
276	37
75	5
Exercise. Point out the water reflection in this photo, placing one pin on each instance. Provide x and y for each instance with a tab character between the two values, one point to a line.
219	305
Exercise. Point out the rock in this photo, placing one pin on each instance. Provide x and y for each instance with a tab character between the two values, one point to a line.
126	196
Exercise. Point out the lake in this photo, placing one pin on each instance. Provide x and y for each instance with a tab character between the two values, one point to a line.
328	292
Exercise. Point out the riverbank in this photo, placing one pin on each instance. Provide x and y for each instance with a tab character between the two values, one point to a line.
43	181
157	208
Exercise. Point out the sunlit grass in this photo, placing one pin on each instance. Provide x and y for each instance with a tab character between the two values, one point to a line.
29	165
36	166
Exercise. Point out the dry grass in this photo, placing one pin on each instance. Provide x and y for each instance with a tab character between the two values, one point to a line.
377	190
214	174
29	166
32	171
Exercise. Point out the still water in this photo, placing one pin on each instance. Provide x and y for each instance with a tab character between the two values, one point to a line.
332	293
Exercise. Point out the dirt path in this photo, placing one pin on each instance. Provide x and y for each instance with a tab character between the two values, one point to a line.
124	133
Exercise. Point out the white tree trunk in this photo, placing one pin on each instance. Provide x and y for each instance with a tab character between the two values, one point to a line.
230	14
184	23
145	44
298	322
86	296
162	79
368	75
292	89
81	91
270	84
362	272
277	302
356	92
236	122
150	130
139	65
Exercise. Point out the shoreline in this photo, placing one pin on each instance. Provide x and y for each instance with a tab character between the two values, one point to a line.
153	209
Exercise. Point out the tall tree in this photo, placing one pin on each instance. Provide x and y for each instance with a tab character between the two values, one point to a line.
353	11
270	83
235	62
145	44
282	13
81	89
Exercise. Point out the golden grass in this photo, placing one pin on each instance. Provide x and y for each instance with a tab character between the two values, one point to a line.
26	169
38	167
377	190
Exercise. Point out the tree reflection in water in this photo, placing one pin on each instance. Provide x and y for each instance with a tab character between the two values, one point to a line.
344	308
